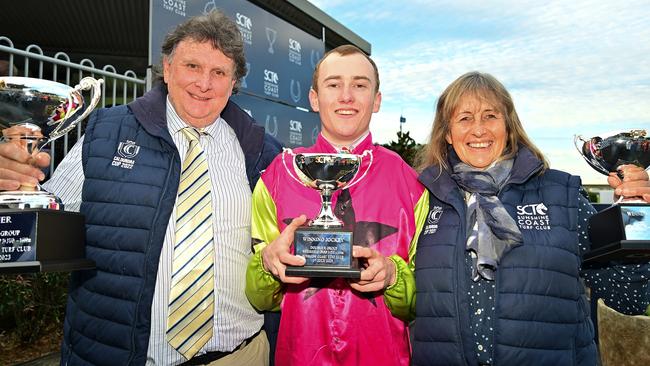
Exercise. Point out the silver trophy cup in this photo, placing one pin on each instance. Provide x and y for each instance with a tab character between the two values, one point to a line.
620	232
606	154
324	242
35	112
35	233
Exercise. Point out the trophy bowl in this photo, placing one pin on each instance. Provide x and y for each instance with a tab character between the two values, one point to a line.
605	154
324	243
35	112
326	173
619	232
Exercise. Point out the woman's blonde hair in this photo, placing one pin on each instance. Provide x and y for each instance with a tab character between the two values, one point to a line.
483	86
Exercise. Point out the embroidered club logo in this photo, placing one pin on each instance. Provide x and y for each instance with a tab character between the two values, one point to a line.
533	217
126	151
431	226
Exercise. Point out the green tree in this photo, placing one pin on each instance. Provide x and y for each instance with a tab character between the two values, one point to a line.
405	146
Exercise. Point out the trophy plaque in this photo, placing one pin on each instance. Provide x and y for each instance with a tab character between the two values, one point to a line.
620	232
35	233
324	243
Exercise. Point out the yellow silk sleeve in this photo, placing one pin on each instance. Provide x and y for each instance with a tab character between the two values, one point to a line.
263	290
400	296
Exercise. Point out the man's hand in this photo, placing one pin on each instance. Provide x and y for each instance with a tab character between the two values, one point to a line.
634	184
379	272
17	167
276	256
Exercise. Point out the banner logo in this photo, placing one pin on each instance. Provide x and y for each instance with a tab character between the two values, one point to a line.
271	35
271	121
314	134
294	52
295	132
209	6
271	81
245	25
314	58
243	83
175	6
294	88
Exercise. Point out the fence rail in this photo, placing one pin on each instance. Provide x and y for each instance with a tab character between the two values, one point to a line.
117	88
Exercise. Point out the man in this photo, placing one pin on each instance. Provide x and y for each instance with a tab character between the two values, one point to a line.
125	178
333	321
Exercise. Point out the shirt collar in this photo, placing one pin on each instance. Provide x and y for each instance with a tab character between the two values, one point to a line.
350	147
362	143
175	123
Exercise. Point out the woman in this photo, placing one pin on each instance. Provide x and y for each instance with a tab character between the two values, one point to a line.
498	260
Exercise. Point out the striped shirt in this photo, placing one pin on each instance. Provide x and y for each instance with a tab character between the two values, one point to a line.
235	319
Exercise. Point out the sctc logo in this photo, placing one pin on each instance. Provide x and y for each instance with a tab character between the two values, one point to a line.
294	45
271	76
244	21
532	210
295	125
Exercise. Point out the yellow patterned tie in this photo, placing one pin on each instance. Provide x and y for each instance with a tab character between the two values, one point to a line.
191	299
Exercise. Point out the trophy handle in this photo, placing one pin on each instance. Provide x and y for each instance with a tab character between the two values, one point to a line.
284	162
95	92
366	152
592	162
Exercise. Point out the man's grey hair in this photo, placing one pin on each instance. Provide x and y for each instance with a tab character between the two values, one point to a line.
214	27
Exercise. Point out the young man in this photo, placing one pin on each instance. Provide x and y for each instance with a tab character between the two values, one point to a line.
134	307
334	321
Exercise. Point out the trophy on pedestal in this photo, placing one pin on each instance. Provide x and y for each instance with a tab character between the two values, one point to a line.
620	232
35	233
325	244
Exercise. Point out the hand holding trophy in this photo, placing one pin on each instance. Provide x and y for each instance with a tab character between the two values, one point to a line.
622	231
35	233
324	243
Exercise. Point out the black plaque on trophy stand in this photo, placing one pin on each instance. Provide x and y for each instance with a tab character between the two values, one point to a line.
328	253
41	240
619	233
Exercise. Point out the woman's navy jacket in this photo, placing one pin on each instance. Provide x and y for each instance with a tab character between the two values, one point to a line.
542	314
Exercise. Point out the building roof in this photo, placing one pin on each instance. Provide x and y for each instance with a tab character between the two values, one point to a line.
115	32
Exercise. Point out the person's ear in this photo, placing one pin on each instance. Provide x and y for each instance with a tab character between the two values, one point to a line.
313	100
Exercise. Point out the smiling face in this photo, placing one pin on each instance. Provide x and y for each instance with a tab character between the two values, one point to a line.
346	97
199	80
477	131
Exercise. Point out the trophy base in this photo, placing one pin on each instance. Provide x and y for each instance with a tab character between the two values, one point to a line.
327	253
47	266
37	240
624	251
619	233
322	271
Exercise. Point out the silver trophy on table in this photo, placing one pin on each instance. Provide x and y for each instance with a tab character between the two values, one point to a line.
620	232
35	233
323	241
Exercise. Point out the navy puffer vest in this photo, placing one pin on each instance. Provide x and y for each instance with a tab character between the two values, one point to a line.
542	316
132	170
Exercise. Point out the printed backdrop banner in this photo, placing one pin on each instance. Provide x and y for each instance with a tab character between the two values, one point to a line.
280	57
290	125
